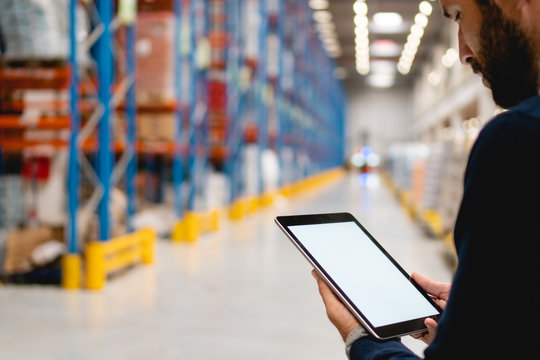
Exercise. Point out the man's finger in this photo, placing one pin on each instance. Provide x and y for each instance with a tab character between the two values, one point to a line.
328	296
430	286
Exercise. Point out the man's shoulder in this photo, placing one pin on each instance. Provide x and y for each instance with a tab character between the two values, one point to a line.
515	125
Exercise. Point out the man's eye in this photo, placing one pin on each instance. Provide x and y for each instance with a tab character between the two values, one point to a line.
457	17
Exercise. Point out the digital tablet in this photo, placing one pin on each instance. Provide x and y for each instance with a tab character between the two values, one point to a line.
363	275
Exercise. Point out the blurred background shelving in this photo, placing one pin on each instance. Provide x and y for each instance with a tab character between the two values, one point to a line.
142	113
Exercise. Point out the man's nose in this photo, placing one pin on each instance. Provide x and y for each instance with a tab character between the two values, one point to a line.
465	52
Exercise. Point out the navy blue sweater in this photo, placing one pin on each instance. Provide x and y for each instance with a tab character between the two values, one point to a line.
494	308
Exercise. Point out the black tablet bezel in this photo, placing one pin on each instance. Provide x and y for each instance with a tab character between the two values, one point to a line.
383	332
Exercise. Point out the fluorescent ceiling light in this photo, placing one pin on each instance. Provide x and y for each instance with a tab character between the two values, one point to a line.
318	4
385	48
421	20
360	8
388	19
361	32
363	70
425	8
381	80
361	21
328	35
327	26
322	16
387	23
417	30
383	67
404	69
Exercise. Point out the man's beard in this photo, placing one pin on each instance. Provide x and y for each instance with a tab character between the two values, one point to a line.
506	58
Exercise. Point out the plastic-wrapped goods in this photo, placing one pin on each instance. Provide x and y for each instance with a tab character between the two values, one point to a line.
155	58
39	29
433	177
252	20
273	56
11	190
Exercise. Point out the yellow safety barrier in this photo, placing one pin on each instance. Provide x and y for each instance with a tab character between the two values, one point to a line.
267	199
103	258
194	224
71	271
244	206
434	222
449	240
312	182
238	209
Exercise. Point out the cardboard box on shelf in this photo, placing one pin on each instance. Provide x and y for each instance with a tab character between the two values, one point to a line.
155	58
156	126
20	244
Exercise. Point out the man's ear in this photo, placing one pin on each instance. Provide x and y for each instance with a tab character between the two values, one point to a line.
523	7
513	9
528	11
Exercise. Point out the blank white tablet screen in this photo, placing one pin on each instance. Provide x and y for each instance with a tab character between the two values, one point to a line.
370	280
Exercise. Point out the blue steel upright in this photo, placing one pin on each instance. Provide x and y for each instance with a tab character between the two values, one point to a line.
73	161
260	88
279	89
178	165
104	59
131	112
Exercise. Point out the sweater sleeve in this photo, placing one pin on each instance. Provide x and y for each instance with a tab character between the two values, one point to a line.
370	348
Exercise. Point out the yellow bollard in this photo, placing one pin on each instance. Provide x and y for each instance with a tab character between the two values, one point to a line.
95	265
71	271
179	231
214	220
267	199
237	210
192	227
148	244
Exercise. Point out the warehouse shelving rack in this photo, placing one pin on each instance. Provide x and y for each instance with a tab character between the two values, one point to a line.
309	113
84	138
296	111
106	255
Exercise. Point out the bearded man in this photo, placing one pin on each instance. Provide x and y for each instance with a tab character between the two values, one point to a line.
491	310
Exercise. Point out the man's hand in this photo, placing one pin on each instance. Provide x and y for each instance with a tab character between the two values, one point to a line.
339	315
439	292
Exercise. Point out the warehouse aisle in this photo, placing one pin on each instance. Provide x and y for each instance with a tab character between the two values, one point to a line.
242	293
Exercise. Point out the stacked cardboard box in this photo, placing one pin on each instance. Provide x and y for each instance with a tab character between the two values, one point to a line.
155	58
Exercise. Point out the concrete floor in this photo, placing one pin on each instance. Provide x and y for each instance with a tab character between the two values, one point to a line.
241	293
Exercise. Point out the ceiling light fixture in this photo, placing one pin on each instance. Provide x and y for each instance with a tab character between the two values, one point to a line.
385	48
387	19
421	21
318	4
381	80
322	16
361	40
425	8
450	58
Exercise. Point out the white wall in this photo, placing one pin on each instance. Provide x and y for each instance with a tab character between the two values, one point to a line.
384	116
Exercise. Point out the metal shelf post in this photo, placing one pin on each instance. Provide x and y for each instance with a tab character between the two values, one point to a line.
178	165
73	162
131	112
104	58
261	91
